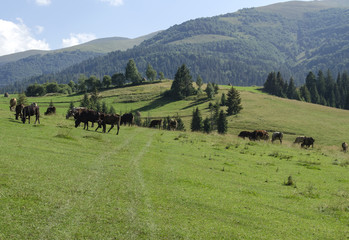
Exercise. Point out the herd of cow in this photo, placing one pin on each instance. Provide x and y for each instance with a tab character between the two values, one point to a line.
84	115
264	135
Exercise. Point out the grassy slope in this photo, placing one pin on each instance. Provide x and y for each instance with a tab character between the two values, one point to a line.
58	182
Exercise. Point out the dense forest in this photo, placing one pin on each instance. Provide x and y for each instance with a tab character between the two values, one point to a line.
319	89
238	48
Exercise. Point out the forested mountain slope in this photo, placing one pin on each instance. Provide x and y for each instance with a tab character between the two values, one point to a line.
239	48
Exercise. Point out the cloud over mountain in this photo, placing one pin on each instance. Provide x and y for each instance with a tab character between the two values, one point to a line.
17	37
76	39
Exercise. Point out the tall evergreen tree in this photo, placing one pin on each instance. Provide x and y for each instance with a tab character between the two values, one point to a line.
209	91
233	102
291	90
222	123
196	122
131	72
207	125
199	82
182	85
150	72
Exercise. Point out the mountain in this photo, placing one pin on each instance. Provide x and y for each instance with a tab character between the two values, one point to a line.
240	48
18	66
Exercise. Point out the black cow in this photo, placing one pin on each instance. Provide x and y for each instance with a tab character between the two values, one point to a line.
127	118
19	111
155	123
244	134
50	110
308	141
75	111
31	110
345	147
111	119
277	135
85	117
259	134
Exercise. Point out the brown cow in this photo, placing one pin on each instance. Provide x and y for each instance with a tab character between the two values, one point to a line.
308	141
13	103
50	110
111	119
86	116
244	134
19	111
155	123
31	110
127	118
345	147
259	134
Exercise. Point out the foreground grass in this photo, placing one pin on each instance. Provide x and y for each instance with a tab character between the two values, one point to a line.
61	182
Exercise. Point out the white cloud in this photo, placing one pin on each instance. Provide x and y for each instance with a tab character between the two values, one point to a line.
17	37
114	2
76	39
39	29
43	2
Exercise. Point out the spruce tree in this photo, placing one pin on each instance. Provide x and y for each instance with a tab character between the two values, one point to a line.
199	82
209	91
291	90
207	125
222	123
233	102
150	72
131	72
196	122
182	85
223	100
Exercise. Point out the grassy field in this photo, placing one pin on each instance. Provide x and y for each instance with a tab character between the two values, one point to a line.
61	182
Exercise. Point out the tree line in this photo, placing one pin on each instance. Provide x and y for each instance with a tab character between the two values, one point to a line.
319	89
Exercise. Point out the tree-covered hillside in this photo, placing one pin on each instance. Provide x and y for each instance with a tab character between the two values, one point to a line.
240	48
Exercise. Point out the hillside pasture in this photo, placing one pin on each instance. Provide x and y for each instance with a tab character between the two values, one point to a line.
61	182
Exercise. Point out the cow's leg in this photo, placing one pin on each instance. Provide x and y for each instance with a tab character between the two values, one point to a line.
111	127
117	133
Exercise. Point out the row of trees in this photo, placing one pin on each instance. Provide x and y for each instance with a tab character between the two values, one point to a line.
319	89
92	83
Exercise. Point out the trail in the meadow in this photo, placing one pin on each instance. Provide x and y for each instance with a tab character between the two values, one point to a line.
140	189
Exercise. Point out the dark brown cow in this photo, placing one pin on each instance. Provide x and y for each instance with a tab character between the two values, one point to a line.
86	116
155	123
75	111
6	94
173	124
50	110
308	141
299	139
127	118
244	134
19	111
259	134
345	147
111	119
31	110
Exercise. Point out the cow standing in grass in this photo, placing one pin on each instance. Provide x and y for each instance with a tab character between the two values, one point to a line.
155	123
19	111
13	103
31	110
50	110
111	119
277	136
345	147
308	141
259	134
244	134
85	117
127	118
299	139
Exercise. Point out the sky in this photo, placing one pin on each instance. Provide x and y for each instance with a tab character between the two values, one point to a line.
55	24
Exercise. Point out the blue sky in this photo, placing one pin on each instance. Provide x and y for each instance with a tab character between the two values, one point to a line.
54	24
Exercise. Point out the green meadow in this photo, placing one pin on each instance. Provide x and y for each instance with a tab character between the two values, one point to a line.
61	182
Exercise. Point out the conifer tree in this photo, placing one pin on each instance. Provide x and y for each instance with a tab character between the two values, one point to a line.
222	123
182	85
233	102
223	100
150	72
131	72
196	122
207	125
199	82
209	91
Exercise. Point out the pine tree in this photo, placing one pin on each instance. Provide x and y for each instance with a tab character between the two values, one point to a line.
196	122
209	91
222	124
182	85
223	100
233	102
207	125
104	107
291	90
199	82
150	72
85	102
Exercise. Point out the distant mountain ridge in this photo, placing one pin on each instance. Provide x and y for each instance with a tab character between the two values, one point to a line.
240	48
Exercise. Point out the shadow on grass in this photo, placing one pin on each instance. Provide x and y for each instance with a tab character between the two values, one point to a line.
156	103
196	102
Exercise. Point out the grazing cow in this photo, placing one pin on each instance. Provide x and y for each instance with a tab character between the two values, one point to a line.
299	139
345	147
173	124
277	135
19	111
259	134
244	134
127	118
31	110
111	119
50	110
155	123
13	103
6	94
86	116
75	111
308	141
